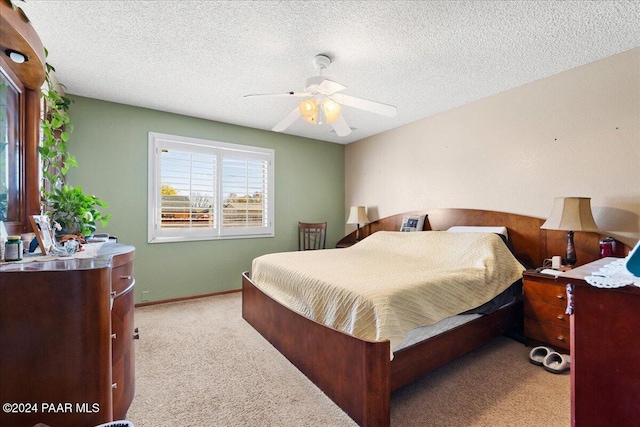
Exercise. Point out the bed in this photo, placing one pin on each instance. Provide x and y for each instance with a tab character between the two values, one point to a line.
359	374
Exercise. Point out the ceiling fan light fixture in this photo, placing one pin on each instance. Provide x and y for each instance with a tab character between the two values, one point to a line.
309	111
325	101
331	110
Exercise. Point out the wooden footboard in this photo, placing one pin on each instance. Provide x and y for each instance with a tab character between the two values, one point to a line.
354	373
357	374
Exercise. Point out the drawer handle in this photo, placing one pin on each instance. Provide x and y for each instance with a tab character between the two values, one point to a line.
114	294
560	317
560	296
127	277
114	385
113	336
560	338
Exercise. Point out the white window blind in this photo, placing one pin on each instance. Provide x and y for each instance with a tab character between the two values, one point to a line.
188	189
200	189
245	192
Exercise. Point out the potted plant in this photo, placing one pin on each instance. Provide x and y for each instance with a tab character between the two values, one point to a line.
74	211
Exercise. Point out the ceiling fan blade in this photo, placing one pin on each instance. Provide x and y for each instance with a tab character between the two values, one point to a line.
287	121
287	94
329	87
364	104
341	127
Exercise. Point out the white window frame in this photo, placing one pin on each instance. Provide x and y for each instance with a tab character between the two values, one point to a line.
159	141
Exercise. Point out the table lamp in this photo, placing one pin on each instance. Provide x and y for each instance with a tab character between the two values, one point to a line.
358	215
571	214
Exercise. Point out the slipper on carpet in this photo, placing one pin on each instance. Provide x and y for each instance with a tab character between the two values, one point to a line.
537	354
556	362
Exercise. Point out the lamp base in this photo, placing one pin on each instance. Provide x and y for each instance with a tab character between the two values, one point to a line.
571	250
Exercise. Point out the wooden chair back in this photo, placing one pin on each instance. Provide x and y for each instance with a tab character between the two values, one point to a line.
312	235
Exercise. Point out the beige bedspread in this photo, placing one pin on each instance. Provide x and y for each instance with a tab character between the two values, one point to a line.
390	282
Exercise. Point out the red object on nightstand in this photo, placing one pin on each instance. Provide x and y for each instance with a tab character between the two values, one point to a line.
607	247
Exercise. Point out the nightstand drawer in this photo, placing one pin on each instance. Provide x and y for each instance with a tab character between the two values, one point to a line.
542	312
545	292
547	333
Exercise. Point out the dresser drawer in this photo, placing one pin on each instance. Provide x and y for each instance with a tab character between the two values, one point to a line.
547	313
121	278
556	336
545	292
123	369
122	328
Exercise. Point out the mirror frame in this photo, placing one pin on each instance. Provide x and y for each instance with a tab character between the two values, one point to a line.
16	33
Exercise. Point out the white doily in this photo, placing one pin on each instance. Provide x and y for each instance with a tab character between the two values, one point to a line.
613	275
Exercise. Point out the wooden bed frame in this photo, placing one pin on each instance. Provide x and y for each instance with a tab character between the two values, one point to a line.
357	374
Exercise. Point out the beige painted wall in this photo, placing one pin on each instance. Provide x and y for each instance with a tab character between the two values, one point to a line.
573	134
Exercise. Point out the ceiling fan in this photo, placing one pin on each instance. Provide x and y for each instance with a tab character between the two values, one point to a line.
324	103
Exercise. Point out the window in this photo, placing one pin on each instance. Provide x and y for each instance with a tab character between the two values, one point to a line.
202	190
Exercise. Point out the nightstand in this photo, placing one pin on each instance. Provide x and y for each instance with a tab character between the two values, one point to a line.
545	302
346	241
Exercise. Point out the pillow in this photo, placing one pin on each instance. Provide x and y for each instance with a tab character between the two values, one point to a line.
413	223
480	229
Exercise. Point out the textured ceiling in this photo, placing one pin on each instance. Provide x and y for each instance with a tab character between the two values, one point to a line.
199	58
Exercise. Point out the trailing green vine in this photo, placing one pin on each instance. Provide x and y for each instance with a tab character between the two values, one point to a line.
74	211
56	127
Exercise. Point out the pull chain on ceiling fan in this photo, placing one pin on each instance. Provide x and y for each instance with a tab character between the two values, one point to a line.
324	105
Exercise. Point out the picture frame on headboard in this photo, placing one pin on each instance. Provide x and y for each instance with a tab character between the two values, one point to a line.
44	233
413	223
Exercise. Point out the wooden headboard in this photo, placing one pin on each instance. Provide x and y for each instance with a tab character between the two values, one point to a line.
531	244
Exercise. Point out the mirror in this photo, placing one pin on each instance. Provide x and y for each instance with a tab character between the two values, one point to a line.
10	171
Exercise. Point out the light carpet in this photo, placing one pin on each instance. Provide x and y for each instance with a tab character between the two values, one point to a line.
198	363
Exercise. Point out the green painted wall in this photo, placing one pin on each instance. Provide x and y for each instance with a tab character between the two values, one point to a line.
110	142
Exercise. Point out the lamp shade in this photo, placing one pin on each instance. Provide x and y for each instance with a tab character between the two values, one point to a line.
309	111
331	110
571	214
358	215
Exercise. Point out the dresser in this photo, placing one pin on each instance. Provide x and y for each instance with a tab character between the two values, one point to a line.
66	339
605	351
